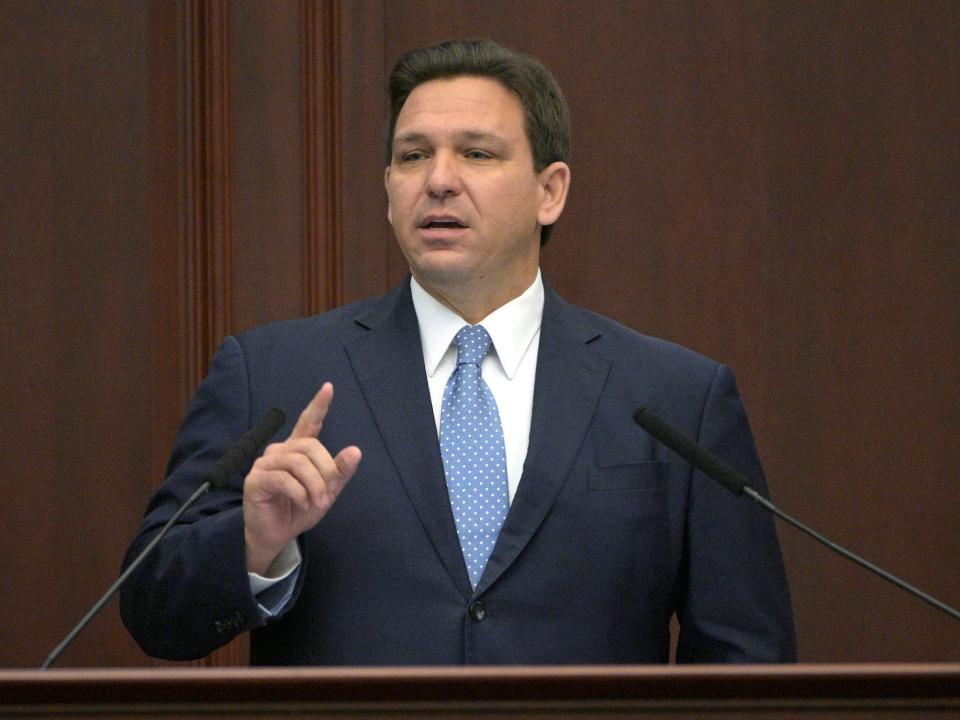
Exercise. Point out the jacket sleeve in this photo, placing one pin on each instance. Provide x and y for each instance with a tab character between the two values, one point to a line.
192	593
734	605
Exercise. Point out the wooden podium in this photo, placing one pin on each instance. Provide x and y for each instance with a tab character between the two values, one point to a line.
778	691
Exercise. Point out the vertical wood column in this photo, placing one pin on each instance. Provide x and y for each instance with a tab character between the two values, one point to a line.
322	257
245	132
207	182
207	210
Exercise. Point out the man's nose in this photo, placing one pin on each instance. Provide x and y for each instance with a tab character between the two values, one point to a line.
443	178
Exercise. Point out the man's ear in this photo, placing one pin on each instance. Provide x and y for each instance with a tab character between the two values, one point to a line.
554	184
386	186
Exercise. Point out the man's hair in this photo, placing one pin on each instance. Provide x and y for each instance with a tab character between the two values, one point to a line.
545	113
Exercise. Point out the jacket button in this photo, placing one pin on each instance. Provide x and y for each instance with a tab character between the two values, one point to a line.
477	611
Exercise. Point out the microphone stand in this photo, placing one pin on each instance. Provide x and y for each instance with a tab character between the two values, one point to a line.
736	482
97	606
218	477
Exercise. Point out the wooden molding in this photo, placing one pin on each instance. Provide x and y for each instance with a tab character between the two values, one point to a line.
207	182
323	280
585	692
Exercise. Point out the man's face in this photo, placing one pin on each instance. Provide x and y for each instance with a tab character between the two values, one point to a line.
464	200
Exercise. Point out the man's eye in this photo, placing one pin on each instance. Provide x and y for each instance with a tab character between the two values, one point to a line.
478	155
412	156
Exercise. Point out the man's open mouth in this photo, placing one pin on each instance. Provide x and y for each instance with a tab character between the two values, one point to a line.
442	223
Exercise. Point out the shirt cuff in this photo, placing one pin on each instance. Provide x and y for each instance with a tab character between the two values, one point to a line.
274	589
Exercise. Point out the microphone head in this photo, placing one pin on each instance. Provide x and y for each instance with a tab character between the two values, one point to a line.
728	476
248	446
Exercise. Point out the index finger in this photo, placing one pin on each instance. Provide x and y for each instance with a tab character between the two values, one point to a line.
311	419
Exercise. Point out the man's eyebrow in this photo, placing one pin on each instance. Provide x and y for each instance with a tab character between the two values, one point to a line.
470	135
482	136
410	138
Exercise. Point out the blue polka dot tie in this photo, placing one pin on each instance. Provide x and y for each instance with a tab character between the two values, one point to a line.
474	460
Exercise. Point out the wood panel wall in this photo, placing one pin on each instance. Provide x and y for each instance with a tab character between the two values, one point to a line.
776	185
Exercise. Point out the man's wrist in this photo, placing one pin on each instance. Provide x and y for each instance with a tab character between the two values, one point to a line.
259	558
280	569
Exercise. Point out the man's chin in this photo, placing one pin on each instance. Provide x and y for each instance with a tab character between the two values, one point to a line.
444	274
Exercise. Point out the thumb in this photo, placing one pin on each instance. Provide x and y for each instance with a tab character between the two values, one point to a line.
348	460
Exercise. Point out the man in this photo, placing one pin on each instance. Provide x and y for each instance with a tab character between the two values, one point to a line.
476	492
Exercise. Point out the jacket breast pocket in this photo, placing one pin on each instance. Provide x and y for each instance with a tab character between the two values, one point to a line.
646	476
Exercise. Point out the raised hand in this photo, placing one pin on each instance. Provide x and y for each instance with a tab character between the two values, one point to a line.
292	485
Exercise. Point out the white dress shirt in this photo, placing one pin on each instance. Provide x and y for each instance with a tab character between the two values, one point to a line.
509	371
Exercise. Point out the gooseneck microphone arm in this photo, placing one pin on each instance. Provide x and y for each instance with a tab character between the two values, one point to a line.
736	482
217	478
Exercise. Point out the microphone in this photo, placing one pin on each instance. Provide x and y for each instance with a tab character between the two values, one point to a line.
233	459
217	478
736	482
727	475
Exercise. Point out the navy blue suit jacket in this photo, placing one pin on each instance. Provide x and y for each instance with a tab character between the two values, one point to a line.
608	535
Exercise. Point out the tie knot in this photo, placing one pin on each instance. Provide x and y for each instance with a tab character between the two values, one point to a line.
473	343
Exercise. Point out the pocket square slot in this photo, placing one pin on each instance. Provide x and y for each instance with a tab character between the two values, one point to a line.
629	476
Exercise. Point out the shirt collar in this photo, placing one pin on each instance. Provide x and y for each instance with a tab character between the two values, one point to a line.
512	327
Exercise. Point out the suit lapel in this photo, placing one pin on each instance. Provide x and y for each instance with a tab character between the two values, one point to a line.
569	380
388	363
